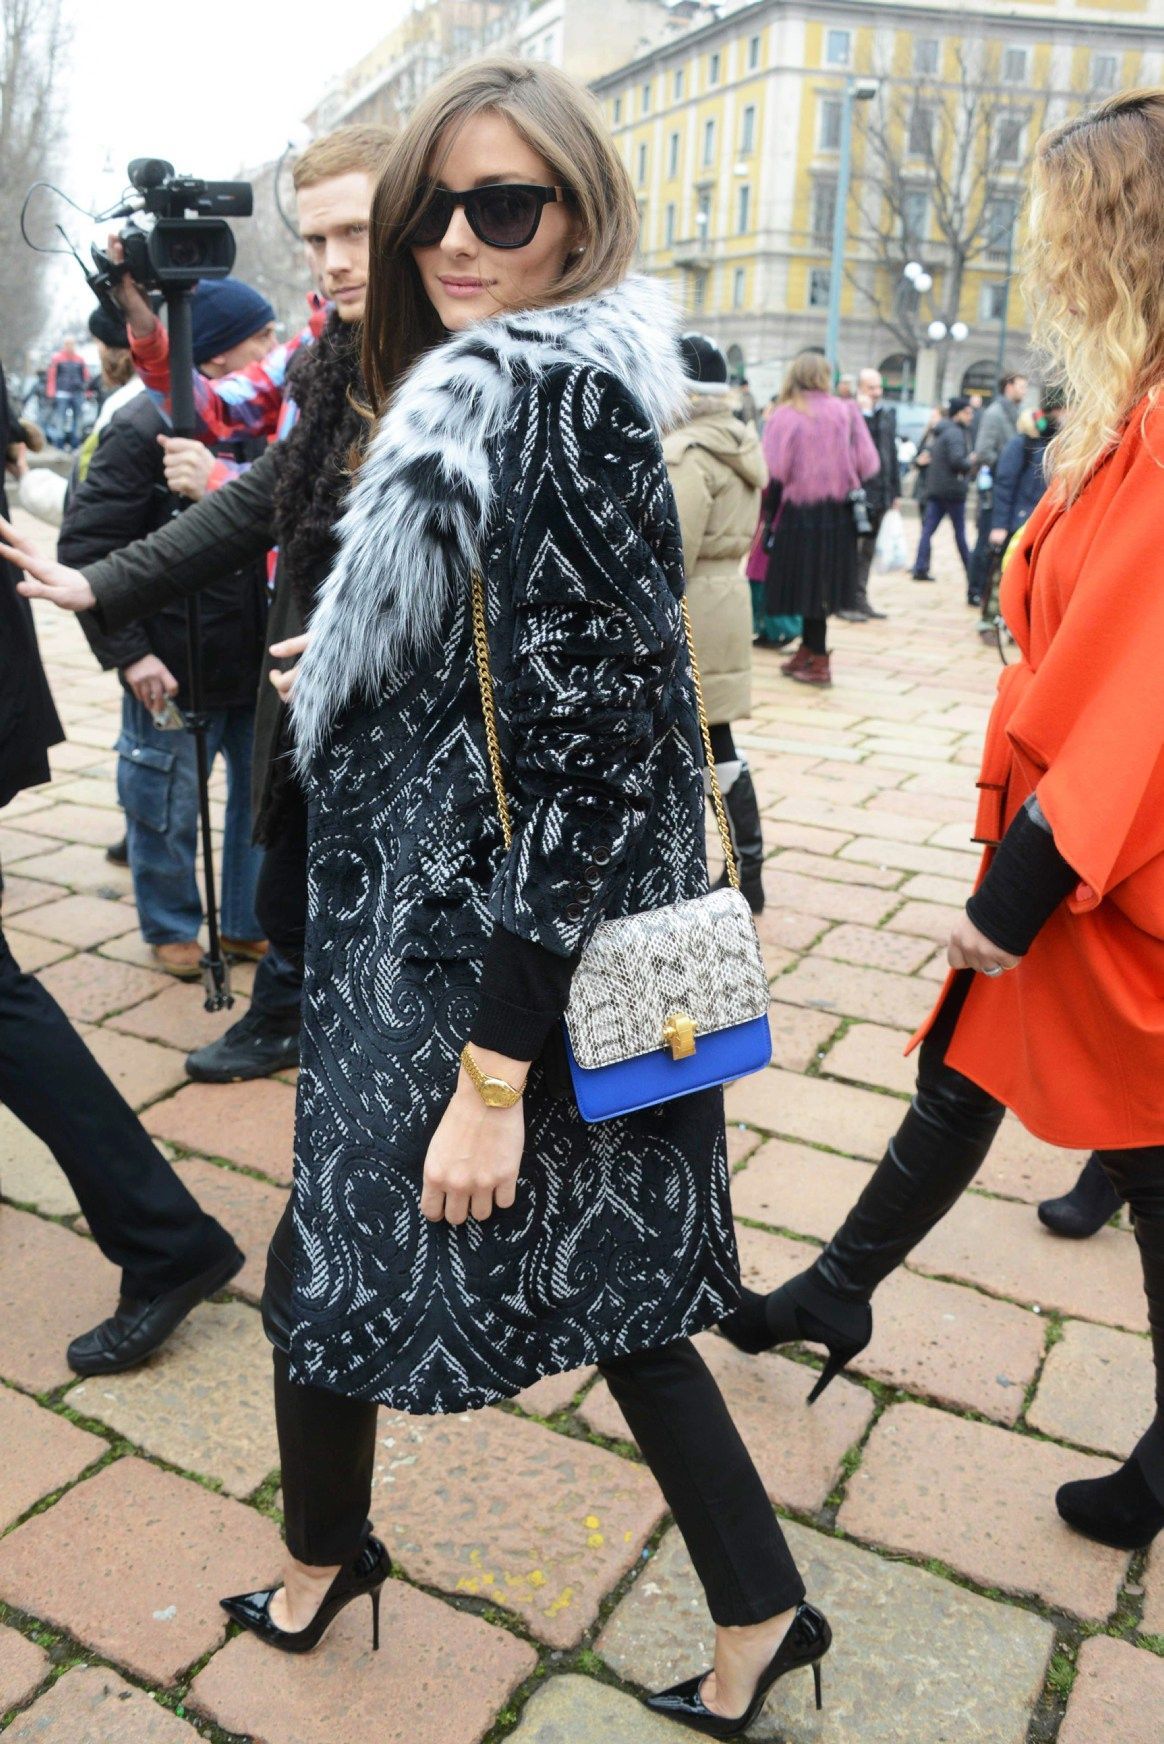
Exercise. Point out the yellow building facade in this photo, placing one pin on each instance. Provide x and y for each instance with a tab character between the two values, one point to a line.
732	136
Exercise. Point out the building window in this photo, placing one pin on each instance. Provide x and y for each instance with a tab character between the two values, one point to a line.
673	157
926	53
1105	72
617	111
713	65
838	47
824	213
677	85
703	215
1008	138
642	176
819	281
753	53
921	130
645	105
743	210
669	226
739	281
992	303
999	221
829	125
915	215
748	129
708	144
1014	66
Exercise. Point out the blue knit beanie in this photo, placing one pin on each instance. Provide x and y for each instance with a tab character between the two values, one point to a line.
224	312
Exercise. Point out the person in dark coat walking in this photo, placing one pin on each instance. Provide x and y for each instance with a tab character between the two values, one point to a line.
882	491
170	1253
947	482
122	497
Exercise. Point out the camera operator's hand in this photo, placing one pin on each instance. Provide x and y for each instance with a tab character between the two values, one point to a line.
129	296
151	681
290	650
189	464
44	578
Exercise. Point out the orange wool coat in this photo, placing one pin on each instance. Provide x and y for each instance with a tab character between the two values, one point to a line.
1073	1039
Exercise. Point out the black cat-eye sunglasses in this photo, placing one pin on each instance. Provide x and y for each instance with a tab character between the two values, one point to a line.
501	214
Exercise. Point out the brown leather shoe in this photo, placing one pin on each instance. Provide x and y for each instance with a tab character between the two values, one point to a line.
799	659
182	959
816	670
250	950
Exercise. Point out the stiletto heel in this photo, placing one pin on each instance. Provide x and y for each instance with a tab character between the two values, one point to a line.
366	1574
804	1310
806	1642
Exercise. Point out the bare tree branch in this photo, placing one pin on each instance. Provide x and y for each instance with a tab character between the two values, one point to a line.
33	45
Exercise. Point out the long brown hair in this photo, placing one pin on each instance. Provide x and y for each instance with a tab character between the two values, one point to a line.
1094	274
808	373
559	121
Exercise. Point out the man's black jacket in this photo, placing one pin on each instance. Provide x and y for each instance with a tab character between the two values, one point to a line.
949	461
123	497
883	490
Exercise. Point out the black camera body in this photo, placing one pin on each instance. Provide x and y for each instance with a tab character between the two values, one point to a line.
859	504
189	238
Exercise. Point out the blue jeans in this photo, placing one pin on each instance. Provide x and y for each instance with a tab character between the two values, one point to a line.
935	509
157	784
67	411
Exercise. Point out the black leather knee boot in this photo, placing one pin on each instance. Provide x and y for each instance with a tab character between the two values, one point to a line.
743	815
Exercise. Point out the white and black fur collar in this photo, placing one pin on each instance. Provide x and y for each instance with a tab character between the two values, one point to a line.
421	502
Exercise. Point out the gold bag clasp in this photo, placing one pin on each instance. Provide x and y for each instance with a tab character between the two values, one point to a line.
679	1035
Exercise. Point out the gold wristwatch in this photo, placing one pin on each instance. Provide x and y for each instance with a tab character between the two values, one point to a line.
494	1092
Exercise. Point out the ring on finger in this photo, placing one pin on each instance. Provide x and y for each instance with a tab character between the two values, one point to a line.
997	969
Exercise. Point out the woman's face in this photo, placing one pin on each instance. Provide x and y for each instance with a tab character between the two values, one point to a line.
466	280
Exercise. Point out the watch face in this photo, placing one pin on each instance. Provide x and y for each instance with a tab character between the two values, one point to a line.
497	1094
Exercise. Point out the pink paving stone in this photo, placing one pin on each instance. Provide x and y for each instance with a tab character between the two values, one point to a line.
491	1504
69	1282
441	1678
146	1598
21	893
928	887
82	921
141	1070
90	987
826	899
249	1209
92	1705
928	920
79	866
33	953
981	1499
1118	1696
23	1665
797	1450
857	1122
29	1173
791	1186
554	1392
798	1035
1020	1166
875	948
849	991
1096	1389
15	844
252	1123
740	1144
68	822
868	1053
841	871
1153	1618
946	1342
779	834
786	929
41	1452
1002	1247
912	857
177	1017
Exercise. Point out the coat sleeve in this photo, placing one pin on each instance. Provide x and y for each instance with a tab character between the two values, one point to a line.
597	633
225	531
112	505
693	501
866	459
1006	479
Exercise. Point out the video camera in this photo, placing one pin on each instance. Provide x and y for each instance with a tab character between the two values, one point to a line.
177	249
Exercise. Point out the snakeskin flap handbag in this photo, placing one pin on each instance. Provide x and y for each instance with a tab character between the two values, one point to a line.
663	1003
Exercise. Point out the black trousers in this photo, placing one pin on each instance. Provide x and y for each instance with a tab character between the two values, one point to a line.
672	1406
142	1217
281	906
931	1160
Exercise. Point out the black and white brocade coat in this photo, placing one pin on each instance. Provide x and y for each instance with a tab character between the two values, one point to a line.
530	447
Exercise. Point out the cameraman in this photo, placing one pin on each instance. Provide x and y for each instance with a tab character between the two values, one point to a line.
122	497
291	497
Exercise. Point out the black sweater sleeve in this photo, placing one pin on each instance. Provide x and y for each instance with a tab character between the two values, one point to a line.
525	990
1027	880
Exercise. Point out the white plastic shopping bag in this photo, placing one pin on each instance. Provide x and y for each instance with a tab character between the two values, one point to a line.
891	551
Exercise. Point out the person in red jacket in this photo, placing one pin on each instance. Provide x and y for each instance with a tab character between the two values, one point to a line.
68	378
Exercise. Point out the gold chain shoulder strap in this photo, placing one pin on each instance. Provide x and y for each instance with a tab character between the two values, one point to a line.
485	680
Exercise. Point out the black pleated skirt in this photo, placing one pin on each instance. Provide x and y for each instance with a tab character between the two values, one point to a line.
812	568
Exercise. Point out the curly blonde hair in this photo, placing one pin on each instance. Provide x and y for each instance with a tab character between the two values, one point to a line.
1095	277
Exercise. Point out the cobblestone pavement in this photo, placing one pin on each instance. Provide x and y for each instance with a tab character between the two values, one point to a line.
540	1584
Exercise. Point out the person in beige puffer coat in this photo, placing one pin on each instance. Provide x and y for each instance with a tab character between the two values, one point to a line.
717	472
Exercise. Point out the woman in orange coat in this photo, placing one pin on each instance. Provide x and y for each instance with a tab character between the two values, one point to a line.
1055	1002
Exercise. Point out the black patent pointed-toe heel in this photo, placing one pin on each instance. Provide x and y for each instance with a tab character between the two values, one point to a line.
806	1642
804	1310
366	1574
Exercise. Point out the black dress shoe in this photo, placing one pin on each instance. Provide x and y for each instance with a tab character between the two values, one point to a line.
806	1643
366	1574
117	853
1091	1203
137	1329
254	1047
858	615
1121	1510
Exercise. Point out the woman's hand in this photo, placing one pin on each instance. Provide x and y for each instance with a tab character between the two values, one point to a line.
474	1157
970	949
44	577
291	649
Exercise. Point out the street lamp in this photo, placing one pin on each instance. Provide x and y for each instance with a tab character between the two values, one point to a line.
856	91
